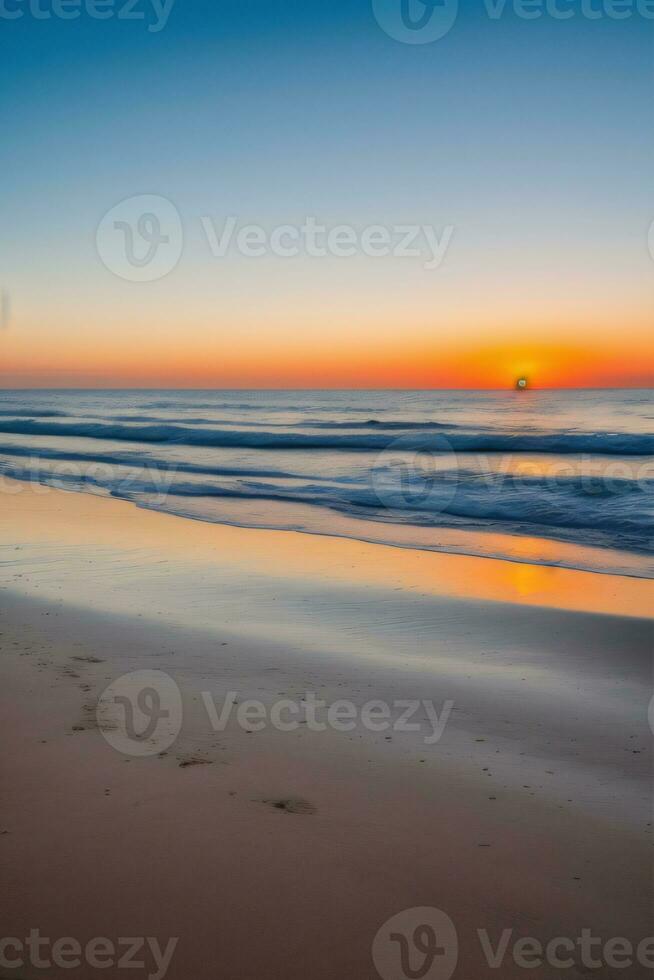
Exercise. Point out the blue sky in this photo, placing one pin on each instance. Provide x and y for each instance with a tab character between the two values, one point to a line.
533	138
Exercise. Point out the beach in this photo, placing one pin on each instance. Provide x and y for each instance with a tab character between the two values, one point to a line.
521	798
327	490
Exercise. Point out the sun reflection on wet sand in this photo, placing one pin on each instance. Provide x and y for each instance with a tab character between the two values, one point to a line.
45	523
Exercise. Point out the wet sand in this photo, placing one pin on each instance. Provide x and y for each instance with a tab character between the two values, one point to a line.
276	853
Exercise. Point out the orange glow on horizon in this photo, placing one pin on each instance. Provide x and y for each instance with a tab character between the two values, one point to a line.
319	361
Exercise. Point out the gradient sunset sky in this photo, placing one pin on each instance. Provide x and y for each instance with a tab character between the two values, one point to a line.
531	138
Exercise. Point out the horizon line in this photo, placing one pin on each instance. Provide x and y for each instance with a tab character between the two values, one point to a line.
531	388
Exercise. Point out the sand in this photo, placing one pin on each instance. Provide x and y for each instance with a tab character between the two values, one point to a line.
280	854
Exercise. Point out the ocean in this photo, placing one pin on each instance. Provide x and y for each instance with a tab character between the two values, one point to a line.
553	477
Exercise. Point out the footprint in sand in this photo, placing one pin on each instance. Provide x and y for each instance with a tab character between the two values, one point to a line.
292	804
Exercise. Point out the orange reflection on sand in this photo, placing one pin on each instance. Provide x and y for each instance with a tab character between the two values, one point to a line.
531	580
43	517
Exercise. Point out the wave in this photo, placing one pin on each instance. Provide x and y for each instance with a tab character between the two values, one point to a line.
568	513
269	406
504	507
144	462
603	443
43	413
486	481
377	424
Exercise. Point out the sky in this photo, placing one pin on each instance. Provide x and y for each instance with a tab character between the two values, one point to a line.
309	193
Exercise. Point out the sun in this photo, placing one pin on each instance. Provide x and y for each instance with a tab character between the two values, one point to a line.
521	384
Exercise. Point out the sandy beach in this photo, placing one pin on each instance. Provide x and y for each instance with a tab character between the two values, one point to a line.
281	853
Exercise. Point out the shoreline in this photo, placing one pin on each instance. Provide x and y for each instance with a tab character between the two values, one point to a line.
306	518
45	518
534	549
